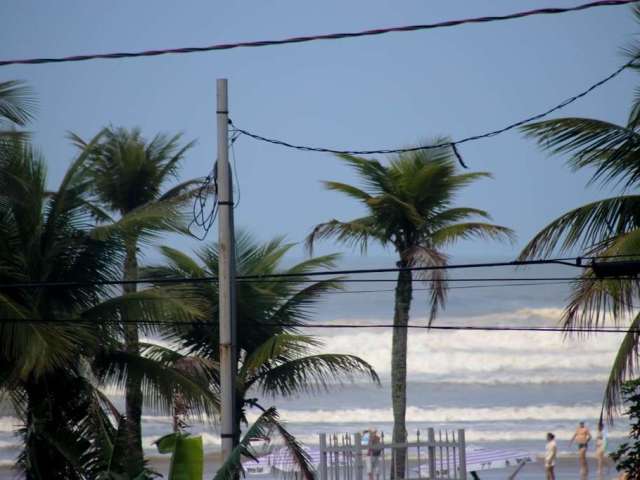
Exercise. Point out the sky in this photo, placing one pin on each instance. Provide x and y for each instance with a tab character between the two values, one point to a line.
378	92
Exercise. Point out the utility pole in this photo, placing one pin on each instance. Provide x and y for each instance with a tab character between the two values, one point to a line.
226	277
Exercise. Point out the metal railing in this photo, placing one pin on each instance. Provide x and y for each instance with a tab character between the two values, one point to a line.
441	455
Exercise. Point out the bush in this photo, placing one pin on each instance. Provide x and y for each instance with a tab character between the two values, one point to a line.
627	457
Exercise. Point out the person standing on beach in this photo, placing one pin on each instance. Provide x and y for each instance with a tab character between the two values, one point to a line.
373	455
550	457
601	449
582	438
365	443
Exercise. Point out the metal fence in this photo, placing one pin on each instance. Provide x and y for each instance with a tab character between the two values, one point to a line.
440	455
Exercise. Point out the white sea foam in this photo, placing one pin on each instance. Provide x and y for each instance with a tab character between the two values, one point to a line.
9	424
486	357
441	414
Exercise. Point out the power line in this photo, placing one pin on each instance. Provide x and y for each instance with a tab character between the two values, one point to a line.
452	144
486	328
194	296
447	280
577	262
311	38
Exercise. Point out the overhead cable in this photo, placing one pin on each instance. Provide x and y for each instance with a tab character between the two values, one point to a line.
450	144
312	38
578	262
479	328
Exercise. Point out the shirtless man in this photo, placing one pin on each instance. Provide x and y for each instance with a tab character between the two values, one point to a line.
582	437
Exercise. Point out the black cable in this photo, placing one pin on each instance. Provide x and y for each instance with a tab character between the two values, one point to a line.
488	328
235	137
192	296
304	276
452	144
514	263
202	220
311	38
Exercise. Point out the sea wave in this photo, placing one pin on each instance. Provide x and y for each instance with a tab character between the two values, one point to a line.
483	357
441	415
9	424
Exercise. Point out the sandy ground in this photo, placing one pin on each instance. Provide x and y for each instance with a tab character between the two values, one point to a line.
566	469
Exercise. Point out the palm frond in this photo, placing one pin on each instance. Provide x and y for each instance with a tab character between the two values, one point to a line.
423	256
349	190
314	263
260	430
611	149
450	234
593	301
147	222
312	373
586	226
160	382
17	102
282	347
458	214
624	367
373	174
299	306
358	232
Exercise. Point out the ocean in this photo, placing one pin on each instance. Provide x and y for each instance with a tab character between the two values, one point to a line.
506	389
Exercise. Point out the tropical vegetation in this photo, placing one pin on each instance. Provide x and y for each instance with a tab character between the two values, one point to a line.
627	455
410	207
127	175
603	228
274	358
64	345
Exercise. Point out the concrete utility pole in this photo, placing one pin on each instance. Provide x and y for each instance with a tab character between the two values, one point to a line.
226	278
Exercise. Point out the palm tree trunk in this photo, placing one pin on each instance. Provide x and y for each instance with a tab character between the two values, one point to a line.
399	369
133	395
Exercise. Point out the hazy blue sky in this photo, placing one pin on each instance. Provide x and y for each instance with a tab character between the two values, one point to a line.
392	90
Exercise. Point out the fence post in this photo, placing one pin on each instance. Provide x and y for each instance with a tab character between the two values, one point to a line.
357	446
431	439
323	456
462	452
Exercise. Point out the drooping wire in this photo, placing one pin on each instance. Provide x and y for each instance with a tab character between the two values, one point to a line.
205	202
451	144
311	38
204	216
234	136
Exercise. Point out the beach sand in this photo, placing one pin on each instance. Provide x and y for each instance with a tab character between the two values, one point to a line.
566	469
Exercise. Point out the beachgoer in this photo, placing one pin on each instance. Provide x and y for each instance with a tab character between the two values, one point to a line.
550	457
601	448
364	441
373	455
582	438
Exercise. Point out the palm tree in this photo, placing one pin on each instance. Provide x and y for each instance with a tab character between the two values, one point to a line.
409	205
607	227
45	339
128	175
59	345
274	359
